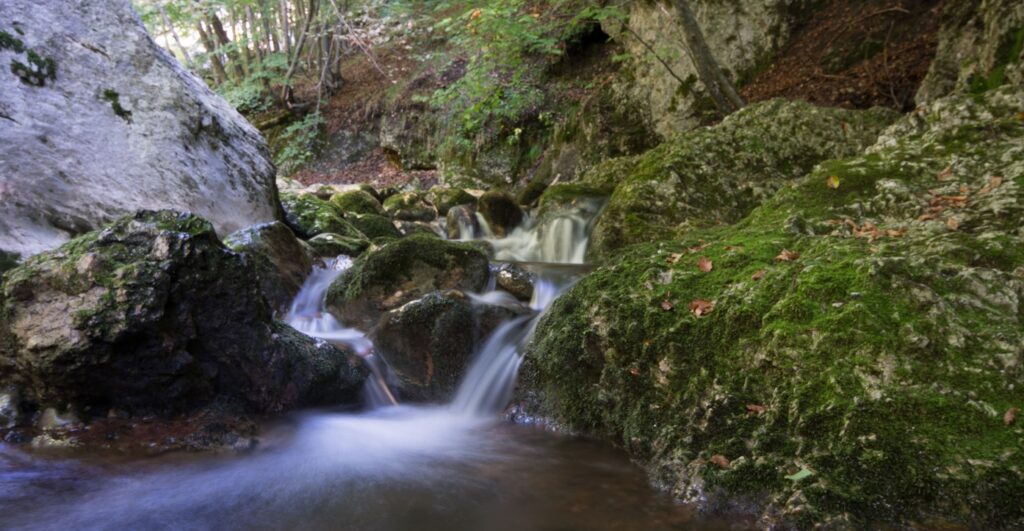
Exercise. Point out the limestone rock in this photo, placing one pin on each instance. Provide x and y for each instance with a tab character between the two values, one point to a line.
403	270
329	245
444	199
309	215
282	261
501	212
461	222
357	201
154	314
409	206
110	123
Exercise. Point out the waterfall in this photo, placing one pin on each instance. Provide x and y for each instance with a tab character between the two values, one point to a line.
558	239
308	314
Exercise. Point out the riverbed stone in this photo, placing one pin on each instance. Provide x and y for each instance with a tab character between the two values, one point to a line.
153	314
516	280
282	261
444	198
357	201
10	408
851	356
309	215
403	270
461	219
501	212
329	245
409	206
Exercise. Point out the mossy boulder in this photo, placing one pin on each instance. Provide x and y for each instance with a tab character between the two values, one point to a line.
444	199
309	215
357	201
7	261
718	174
427	344
501	212
329	245
374	226
409	206
282	261
152	314
849	357
462	223
401	271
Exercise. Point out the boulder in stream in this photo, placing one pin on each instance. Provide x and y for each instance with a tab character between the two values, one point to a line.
154	314
409	206
501	212
282	261
308	215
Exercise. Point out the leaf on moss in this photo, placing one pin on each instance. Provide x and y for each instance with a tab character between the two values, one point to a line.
1011	415
758	276
832	181
673	258
945	174
756	409
705	265
953	223
701	307
802	474
721	461
993	183
787	256
667	305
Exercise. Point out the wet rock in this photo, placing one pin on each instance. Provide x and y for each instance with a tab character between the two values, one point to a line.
329	245
409	206
403	270
855	352
7	261
166	319
427	344
116	125
416	227
51	419
309	215
462	219
500	211
374	226
444	199
52	441
282	261
357	201
516	281
10	408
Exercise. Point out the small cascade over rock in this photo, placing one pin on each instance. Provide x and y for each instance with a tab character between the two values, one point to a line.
309	316
560	238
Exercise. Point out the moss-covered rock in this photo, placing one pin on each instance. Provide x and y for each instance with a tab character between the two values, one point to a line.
309	215
409	206
7	261
282	261
401	271
357	201
849	357
719	174
330	245
154	314
461	222
501	212
444	199
374	226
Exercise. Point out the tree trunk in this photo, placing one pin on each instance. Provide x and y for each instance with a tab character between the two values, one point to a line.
177	39
719	87
219	75
286	94
222	39
286	37
266	14
253	32
242	29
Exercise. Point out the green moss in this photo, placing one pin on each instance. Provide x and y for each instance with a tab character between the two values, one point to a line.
114	99
358	202
37	71
1008	52
409	206
10	42
331	245
374	226
309	215
883	364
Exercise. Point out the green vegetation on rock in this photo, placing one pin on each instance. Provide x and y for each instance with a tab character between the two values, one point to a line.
357	201
309	215
859	339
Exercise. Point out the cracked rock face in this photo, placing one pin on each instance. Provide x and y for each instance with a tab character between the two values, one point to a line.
96	121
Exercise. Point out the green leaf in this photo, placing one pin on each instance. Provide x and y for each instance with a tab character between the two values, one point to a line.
802	474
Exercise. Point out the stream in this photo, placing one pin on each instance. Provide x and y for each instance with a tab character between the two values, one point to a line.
390	467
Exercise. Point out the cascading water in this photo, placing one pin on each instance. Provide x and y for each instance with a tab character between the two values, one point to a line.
308	314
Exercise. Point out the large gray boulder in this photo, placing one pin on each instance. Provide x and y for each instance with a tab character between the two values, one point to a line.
97	121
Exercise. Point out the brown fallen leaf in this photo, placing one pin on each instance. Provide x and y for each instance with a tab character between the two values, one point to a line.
720	460
756	409
667	305
832	182
926	217
698	248
945	174
731	248
705	265
787	256
758	275
673	258
701	307
953	223
1011	415
896	233
635	371
993	183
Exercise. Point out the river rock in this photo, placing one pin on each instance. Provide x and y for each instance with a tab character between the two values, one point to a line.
462	219
329	245
106	123
374	226
309	215
500	211
403	270
854	352
10	408
357	201
720	174
154	314
409	206
516	280
282	261
444	199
